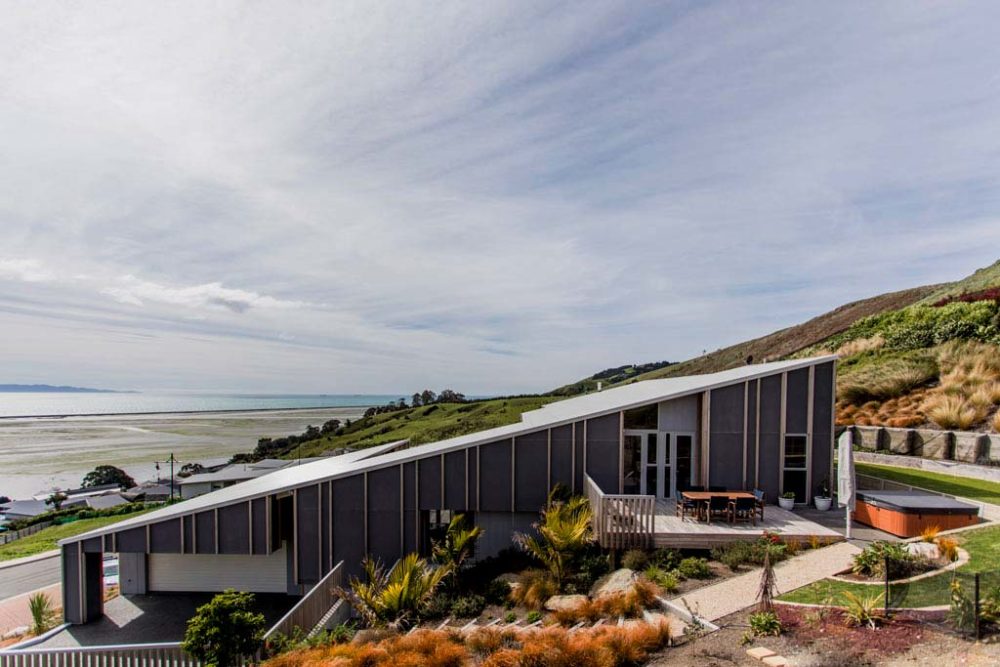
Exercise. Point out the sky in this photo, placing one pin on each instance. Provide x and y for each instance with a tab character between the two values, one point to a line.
496	197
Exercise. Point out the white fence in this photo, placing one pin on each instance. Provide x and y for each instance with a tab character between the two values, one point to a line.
621	521
13	535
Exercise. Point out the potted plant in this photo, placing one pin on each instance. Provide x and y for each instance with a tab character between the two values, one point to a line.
822	497
787	500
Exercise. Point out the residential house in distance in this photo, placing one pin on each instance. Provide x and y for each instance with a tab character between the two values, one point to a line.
201	483
638	446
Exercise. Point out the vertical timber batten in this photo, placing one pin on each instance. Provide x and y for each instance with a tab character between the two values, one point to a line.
809	431
548	461
746	426
572	458
781	433
833	418
295	536
756	435
706	437
621	452
365	508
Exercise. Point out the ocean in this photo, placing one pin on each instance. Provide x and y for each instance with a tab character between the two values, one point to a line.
53	404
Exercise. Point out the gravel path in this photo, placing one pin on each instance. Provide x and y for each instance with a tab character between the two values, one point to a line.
727	597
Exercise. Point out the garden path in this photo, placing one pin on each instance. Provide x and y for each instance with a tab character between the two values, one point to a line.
727	597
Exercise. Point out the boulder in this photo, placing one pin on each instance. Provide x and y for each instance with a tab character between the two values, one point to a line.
868	437
926	550
565	602
619	581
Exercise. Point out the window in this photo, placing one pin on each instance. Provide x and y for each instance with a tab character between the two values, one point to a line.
645	417
795	466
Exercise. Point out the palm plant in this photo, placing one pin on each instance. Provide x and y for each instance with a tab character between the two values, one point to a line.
394	597
564	530
458	545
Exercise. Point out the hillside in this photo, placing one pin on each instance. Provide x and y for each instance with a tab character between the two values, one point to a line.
785	342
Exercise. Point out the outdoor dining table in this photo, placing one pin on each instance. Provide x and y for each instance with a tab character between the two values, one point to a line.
705	496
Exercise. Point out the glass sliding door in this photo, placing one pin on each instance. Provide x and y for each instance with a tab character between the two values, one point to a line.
648	464
795	465
683	452
634	466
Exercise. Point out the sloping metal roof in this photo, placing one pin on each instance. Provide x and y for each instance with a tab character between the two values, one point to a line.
555	414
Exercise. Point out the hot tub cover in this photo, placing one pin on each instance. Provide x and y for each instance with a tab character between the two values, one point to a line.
913	502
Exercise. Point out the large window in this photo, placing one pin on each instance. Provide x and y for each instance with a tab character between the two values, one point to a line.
645	417
795	466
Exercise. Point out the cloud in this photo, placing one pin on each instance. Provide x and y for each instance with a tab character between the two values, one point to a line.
131	290
499	196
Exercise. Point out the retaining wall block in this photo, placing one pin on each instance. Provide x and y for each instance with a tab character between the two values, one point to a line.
899	440
868	437
970	447
932	444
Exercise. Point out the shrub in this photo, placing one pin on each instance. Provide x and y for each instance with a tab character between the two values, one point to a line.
667	581
536	586
861	610
892	386
468	606
666	558
497	591
224	630
438	606
735	554
588	566
996	421
635	559
628	604
457	545
43	613
533	616
694	568
509	617
962	609
872	560
765	624
989	607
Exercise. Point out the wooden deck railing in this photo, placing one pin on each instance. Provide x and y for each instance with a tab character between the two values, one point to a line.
131	655
312	608
621	521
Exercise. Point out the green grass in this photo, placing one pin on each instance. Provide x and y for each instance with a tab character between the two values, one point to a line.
426	424
982	279
983	545
974	489
47	539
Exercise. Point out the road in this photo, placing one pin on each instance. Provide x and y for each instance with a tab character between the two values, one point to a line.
27	577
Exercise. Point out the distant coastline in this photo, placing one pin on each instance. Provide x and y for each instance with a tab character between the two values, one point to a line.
55	389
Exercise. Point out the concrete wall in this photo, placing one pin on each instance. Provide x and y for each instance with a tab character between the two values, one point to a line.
962	446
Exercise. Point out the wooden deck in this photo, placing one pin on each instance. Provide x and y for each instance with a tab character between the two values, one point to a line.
689	533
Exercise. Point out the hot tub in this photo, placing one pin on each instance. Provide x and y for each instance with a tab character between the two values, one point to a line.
908	513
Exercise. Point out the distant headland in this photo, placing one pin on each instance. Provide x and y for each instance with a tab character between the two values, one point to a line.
53	389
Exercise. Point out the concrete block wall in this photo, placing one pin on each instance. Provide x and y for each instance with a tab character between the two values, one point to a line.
961	446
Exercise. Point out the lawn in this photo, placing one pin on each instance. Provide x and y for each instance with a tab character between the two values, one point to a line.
974	489
46	540
983	545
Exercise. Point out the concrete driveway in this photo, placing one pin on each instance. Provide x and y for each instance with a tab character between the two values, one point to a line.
143	619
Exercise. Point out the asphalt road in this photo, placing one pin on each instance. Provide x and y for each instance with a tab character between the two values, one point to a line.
27	577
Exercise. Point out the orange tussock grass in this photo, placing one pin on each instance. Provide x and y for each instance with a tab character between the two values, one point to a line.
948	546
551	647
996	421
985	396
929	534
536	586
952	412
629	604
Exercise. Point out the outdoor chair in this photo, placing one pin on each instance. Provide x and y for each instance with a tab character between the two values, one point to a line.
743	509
717	489
759	499
716	505
695	487
685	505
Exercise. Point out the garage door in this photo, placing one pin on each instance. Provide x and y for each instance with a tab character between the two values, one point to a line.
213	573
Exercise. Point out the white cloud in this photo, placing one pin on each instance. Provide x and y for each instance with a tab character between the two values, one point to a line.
499	197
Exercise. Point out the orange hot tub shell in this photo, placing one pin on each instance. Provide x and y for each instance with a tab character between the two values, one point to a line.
909	523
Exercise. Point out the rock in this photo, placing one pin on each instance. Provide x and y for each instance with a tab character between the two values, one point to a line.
371	635
564	602
760	652
619	581
510	577
926	550
19	631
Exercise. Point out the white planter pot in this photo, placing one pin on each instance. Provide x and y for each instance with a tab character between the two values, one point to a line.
786	503
822	504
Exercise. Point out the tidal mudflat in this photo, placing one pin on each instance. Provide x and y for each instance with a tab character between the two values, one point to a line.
37	454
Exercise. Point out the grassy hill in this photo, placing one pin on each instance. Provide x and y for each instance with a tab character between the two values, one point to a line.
424	424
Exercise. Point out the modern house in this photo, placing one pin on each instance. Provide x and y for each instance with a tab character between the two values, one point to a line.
637	446
206	482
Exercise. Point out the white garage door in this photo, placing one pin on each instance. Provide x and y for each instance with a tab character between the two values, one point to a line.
213	573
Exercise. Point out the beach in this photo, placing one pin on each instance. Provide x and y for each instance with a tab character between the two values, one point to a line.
39	453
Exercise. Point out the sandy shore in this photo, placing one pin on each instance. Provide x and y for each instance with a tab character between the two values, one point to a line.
38	453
